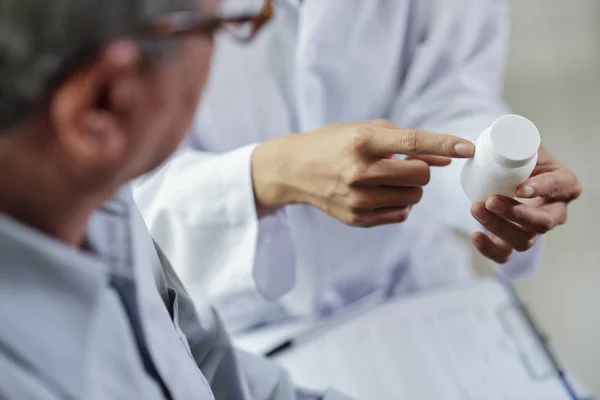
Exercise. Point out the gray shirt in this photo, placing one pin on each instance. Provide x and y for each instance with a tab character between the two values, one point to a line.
115	322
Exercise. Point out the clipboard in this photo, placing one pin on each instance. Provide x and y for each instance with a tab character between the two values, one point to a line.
553	367
517	354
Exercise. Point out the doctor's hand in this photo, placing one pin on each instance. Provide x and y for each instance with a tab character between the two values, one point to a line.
348	171
542	206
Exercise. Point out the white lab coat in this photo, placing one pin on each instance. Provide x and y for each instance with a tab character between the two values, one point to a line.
432	64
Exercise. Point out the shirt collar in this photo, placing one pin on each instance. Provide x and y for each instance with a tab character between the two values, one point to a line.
48	288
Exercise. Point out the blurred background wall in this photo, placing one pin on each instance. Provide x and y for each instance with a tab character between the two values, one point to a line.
554	79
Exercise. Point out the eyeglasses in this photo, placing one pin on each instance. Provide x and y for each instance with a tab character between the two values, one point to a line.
242	27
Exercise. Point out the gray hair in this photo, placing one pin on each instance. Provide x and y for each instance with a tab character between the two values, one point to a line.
39	38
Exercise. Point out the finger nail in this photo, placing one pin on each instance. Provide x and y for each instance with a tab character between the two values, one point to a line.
496	206
466	150
481	216
527	192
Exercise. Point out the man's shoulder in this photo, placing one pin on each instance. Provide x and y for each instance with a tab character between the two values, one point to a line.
58	318
19	380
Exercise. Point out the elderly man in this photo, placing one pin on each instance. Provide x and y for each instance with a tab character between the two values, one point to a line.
250	211
93	94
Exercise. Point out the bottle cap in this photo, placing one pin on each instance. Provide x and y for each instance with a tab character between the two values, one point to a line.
514	139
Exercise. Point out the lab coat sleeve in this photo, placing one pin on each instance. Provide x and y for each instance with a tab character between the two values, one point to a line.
200	208
453	85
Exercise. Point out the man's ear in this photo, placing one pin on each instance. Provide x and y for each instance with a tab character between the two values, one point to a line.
84	118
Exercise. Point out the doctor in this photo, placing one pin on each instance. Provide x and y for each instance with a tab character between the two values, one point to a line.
268	198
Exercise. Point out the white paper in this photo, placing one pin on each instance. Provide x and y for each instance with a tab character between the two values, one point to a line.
461	344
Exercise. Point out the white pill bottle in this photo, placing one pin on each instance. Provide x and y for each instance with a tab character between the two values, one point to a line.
505	156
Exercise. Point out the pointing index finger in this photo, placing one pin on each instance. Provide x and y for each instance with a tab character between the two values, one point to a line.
418	142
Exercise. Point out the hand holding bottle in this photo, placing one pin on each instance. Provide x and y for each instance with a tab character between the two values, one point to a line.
541	205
